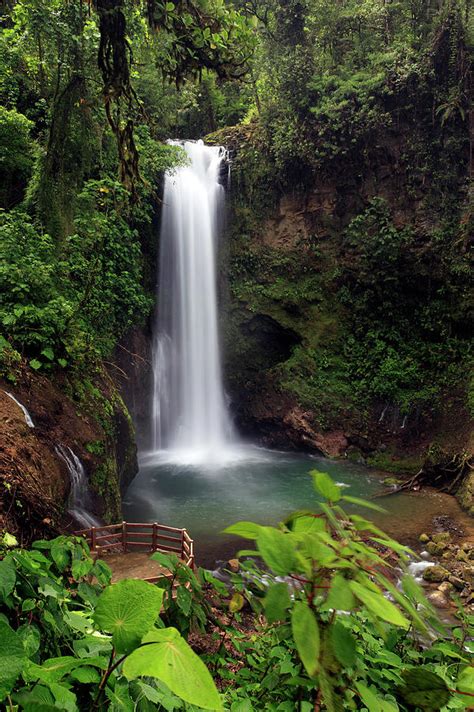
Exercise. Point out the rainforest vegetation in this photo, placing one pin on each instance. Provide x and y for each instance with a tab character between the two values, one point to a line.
346	294
315	629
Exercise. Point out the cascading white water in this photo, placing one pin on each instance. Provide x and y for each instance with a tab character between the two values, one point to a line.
28	418
190	418
79	498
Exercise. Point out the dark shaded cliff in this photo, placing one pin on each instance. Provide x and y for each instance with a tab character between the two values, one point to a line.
347	321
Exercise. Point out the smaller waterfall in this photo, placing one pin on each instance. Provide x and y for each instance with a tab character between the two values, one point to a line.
28	419
80	496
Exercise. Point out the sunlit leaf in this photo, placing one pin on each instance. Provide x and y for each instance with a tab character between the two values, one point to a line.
277	550
377	604
325	486
246	530
166	656
128	609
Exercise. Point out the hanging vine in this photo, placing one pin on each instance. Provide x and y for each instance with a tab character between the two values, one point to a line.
199	40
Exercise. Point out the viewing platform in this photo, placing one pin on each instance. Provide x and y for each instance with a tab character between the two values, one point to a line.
126	548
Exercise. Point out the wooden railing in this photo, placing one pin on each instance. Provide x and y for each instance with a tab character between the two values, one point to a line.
127	537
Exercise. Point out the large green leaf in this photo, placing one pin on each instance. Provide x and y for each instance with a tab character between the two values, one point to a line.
363	503
64	699
61	550
377	604
306	636
12	658
317	550
340	596
31	638
343	644
52	670
184	599
465	684
166	655
7	578
325	486
276	603
307	523
128	609
246	530
38	699
369	698
277	550
424	689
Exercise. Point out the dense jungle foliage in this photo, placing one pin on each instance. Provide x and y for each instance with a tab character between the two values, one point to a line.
90	90
313	630
366	108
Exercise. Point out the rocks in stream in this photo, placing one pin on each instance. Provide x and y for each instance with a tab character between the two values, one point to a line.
435	574
453	576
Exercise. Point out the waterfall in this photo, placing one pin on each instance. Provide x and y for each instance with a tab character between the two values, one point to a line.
190	417
80	497
28	419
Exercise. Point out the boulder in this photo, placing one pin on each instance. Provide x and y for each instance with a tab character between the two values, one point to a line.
435	574
438	599
443	538
435	549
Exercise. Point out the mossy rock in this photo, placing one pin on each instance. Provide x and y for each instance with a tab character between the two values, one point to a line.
443	538
465	494
435	574
392	481
435	549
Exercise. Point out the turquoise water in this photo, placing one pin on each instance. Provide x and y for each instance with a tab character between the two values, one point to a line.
264	489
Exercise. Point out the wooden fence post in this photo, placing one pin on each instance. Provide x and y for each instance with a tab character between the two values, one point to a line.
92	538
154	536
124	537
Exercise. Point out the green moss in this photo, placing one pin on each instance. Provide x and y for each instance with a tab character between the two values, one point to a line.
96	447
390	462
105	482
114	449
465	494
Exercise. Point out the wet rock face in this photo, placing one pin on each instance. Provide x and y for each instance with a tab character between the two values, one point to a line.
134	378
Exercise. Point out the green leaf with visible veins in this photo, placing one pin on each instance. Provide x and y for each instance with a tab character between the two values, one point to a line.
377	604
340	596
12	658
306	636
166	656
325	486
128	609
277	550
